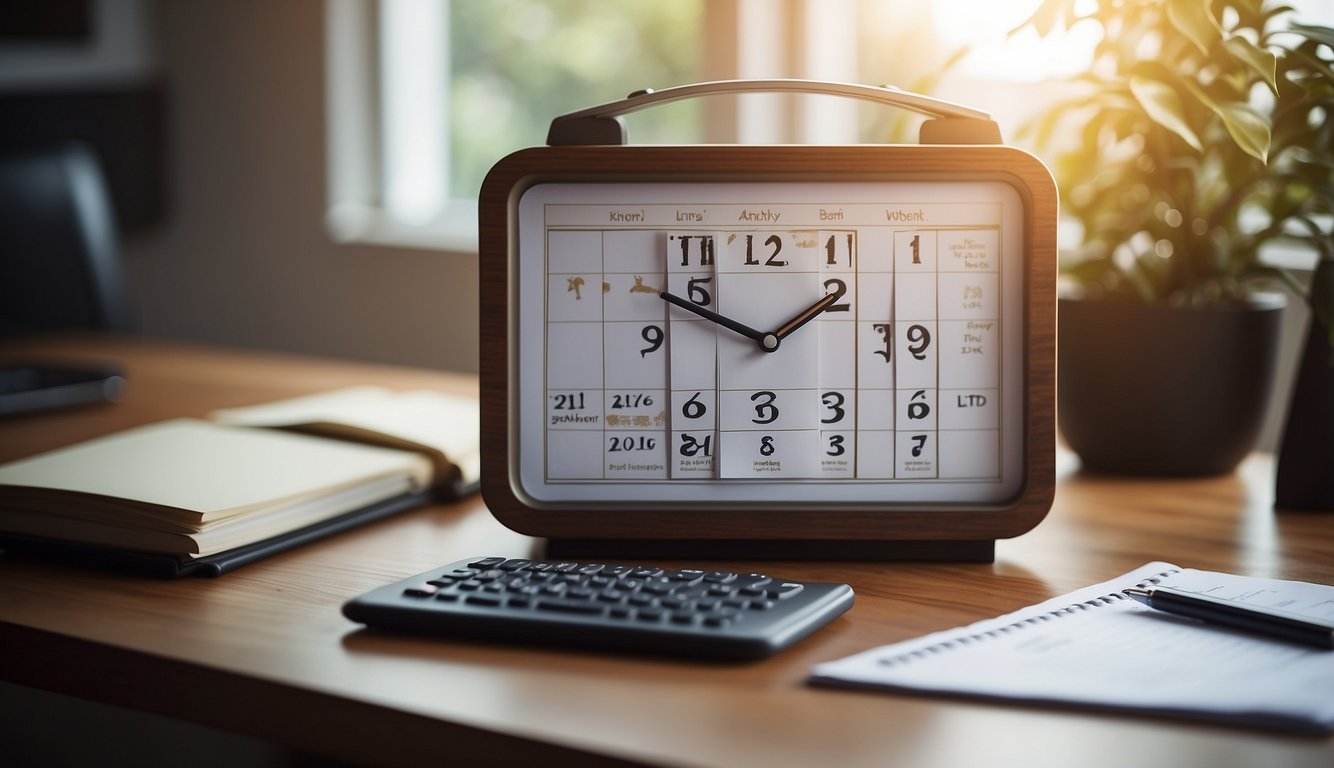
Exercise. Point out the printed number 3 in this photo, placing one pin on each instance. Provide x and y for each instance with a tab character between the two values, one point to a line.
765	410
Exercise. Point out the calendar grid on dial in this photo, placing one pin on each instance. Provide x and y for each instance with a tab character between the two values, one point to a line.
692	349
897	378
768	400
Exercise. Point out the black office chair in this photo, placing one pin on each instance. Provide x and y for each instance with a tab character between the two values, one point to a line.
59	247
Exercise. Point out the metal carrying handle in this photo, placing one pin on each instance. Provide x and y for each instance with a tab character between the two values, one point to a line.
950	123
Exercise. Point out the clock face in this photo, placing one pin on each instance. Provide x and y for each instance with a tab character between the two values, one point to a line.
846	343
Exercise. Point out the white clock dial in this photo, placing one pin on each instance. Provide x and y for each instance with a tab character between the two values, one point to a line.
759	343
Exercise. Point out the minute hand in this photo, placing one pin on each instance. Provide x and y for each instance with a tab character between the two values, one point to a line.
767	341
806	316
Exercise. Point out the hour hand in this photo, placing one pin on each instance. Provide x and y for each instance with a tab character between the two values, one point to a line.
767	341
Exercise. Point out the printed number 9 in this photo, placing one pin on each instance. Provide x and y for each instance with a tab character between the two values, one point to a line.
653	335
919	338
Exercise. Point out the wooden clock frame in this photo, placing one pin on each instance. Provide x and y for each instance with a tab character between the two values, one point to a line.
896	530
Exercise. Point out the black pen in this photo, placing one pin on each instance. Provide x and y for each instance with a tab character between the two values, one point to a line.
1250	618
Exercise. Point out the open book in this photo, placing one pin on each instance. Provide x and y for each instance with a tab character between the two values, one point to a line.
1097	648
192	491
445	429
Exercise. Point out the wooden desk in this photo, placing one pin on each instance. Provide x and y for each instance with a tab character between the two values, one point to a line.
265	651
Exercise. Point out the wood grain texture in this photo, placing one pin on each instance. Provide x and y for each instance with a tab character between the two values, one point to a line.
265	652
516	173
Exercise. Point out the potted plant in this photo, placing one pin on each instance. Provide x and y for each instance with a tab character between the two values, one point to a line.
1201	133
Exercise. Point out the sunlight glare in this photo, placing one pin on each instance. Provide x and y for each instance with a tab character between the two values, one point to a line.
982	25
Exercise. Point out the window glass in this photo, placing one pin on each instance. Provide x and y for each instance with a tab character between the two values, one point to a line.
515	64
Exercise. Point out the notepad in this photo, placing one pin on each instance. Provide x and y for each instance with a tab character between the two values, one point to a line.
1096	648
444	428
194	488
191	496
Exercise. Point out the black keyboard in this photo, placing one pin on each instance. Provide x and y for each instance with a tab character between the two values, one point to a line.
683	611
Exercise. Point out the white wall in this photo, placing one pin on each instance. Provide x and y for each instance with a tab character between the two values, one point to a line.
242	257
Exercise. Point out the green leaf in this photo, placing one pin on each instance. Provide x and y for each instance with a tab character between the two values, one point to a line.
1164	107
1193	19
1320	34
1247	127
1319	65
1264	63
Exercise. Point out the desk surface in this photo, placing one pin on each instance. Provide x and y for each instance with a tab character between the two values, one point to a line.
265	652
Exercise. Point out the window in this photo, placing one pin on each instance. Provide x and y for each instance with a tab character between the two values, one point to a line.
447	88
426	95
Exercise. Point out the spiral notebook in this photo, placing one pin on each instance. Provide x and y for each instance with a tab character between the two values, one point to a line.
1096	648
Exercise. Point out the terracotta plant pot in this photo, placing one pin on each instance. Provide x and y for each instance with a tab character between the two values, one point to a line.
1159	390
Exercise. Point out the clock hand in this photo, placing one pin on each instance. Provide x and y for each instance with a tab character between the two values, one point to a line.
767	341
806	316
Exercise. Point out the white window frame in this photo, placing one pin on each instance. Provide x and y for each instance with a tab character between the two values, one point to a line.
378	165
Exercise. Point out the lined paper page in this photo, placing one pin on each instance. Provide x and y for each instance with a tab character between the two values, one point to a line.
1095	648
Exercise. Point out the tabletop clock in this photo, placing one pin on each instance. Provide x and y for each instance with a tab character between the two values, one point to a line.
769	351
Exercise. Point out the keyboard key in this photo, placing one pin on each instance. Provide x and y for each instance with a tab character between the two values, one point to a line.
658	586
570	606
486	562
782	591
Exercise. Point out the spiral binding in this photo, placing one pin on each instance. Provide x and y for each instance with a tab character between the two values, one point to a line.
1068	610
